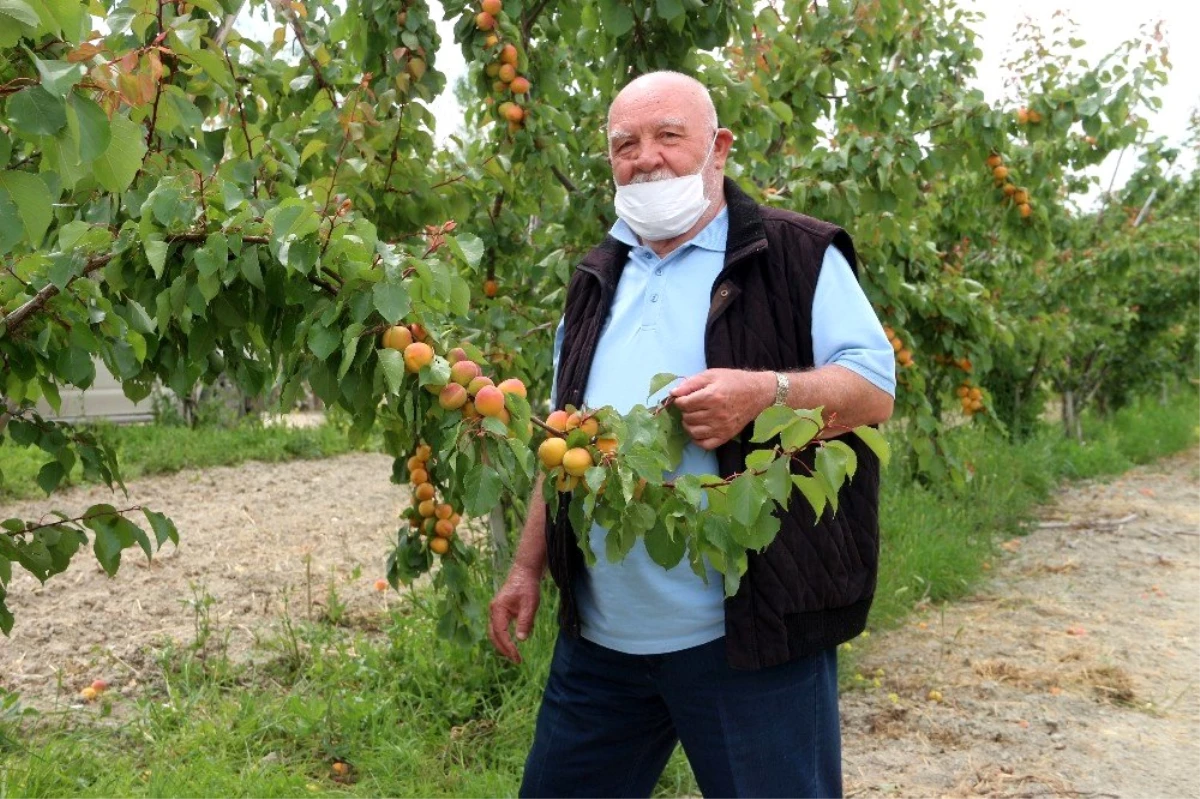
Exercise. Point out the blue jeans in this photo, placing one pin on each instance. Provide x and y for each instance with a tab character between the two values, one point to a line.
610	721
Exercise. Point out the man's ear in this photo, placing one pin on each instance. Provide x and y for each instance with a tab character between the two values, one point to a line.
722	147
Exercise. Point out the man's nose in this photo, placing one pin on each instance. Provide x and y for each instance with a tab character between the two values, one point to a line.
649	157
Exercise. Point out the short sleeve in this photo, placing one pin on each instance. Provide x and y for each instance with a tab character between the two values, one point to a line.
845	330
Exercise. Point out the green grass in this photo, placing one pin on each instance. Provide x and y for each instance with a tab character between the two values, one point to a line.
416	716
159	449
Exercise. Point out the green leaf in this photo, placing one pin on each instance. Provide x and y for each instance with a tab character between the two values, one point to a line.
19	11
659	381
121	160
616	18
57	76
164	528
759	533
799	434
33	111
467	247
663	548
838	460
771	421
324	341
746	497
393	368
50	475
875	440
391	300
759	458
32	200
156	253
669	9
777	481
481	490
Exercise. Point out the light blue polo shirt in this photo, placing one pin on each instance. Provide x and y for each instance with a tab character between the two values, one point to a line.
656	324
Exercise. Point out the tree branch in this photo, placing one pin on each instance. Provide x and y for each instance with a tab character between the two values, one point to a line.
287	14
60	522
564	180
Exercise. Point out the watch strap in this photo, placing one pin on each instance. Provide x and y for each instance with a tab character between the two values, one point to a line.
781	388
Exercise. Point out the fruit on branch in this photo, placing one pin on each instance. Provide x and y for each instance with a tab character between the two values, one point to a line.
444	528
994	160
576	461
477	384
557	421
426	508
453	397
607	445
443	511
520	85
424	452
1025	210
439	545
1000	173
565	483
492	7
1022	116
1020	196
490	286
464	372
489	401
418	331
425	489
514	113
397	337
509	55
457	354
507	73
551	451
513	386
485	21
416	355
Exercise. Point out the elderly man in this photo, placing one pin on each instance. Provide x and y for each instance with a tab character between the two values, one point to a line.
755	306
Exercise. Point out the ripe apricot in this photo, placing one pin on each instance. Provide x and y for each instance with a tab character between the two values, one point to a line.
514	113
551	451
397	337
897	344
962	391
443	528
1020	196
565	483
905	357
500	87
519	85
994	160
419	332
491	40
1000	172
975	393
469	412
492	70
415	463
381	584
439	545
416	355
491	6
424	452
424	491
419	476
1022	116
426	508
558	420
513	386
444	511
1025	210
463	372
88	694
507	73
607	445
477	384
455	519
455	355
577	461
485	21
1034	117
508	55
452	397
490	288
489	401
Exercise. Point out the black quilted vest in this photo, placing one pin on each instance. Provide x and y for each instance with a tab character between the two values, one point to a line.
812	587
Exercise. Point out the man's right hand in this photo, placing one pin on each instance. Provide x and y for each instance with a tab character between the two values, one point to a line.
517	599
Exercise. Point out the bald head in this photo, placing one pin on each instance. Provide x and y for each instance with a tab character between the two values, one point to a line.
670	91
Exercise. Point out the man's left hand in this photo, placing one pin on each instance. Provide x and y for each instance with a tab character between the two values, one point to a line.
718	403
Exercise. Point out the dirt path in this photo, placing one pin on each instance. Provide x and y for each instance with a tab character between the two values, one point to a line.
1074	672
253	537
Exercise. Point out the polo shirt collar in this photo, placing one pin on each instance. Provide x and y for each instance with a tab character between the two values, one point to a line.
712	236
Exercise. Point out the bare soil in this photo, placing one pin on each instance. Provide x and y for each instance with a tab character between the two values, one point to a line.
1074	671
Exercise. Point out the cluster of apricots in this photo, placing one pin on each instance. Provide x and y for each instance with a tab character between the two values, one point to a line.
904	355
566	456
1027	116
503	70
469	390
1012	192
971	398
435	520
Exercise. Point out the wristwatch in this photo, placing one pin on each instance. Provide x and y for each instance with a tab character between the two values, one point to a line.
781	388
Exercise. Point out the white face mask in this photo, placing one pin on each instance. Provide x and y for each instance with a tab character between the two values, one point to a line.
663	209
